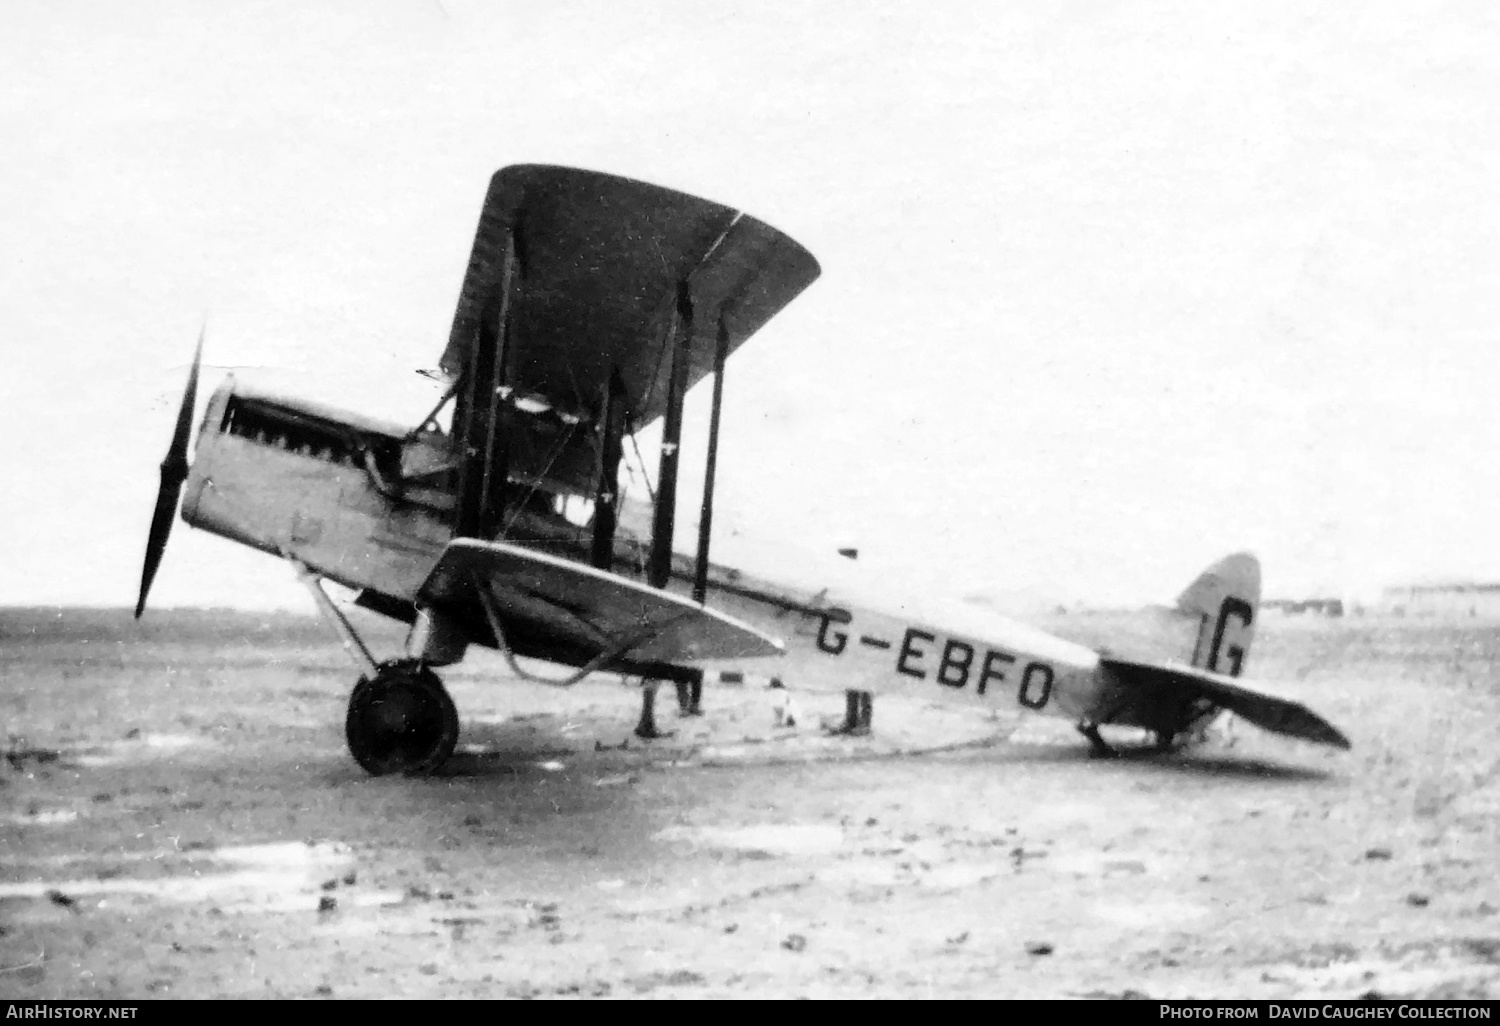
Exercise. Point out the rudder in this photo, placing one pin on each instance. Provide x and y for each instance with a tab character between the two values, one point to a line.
1226	600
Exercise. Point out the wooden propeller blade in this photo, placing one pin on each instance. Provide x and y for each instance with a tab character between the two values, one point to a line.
174	471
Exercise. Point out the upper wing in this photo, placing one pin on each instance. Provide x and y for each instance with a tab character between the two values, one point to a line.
598	262
1281	715
568	612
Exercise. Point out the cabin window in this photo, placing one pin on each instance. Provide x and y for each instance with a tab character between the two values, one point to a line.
291	432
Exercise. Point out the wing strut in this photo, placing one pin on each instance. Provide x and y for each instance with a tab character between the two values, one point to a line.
484	465
659	568
706	514
612	423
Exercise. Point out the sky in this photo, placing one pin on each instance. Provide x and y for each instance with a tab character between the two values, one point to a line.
1109	289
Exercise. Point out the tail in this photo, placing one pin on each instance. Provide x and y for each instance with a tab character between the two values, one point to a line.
1172	700
1226	600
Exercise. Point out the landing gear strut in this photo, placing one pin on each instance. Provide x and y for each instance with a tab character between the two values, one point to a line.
401	720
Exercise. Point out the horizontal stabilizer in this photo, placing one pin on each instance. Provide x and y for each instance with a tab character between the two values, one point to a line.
1270	712
589	611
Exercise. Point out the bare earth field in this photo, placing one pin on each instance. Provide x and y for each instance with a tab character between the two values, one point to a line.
178	817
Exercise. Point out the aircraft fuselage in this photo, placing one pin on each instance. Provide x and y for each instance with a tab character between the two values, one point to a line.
952	655
328	489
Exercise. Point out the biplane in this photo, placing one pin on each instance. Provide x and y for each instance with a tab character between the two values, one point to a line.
591	304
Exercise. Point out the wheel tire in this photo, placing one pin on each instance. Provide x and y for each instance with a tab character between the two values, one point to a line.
401	721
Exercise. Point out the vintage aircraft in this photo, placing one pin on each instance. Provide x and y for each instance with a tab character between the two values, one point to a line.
590	305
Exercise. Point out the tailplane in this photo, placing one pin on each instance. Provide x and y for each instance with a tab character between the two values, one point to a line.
1226	599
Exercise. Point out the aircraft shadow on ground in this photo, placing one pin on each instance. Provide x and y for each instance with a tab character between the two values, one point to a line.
516	746
1147	760
526	745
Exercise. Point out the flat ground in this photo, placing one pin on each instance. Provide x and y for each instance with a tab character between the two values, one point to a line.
178	817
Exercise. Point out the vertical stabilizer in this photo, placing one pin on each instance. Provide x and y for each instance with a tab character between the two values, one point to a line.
1226	599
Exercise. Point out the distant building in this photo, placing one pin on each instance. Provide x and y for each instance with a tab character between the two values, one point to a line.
1443	598
1298	607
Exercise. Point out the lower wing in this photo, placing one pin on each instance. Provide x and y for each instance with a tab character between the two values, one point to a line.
553	604
1261	708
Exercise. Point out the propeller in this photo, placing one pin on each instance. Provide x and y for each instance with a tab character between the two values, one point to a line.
174	470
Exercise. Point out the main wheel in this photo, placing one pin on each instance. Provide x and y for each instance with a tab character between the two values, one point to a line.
401	721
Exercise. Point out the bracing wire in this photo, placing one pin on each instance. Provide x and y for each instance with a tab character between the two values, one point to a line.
645	474
557	451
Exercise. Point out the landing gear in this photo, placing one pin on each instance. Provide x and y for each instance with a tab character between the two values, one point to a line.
401	720
859	712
